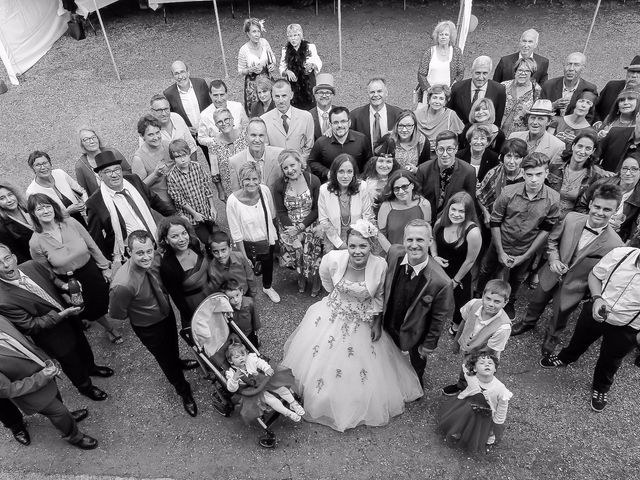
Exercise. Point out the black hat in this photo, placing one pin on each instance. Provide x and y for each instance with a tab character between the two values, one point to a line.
106	159
634	66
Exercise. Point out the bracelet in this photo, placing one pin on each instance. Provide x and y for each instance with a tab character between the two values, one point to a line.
594	297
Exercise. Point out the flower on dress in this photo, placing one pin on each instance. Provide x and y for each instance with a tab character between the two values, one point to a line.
316	349
338	373
363	375
318	320
261	23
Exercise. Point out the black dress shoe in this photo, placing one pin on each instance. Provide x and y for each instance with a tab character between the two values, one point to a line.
79	415
188	364
190	405
94	393
101	371
520	328
22	435
86	443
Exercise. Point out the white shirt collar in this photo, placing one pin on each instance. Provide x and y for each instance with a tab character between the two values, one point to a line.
15	282
287	113
416	268
382	111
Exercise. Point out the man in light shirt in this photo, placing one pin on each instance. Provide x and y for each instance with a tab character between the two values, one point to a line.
187	96
172	126
208	128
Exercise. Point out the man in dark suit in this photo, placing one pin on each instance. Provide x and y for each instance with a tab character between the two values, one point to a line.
27	378
324	91
574	247
617	145
12	419
418	296
187	96
528	43
454	174
564	91
29	298
121	205
611	90
377	118
465	93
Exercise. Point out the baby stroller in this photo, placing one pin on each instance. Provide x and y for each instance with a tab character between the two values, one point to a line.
209	335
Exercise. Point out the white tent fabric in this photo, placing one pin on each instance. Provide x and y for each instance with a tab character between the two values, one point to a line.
85	7
27	32
463	23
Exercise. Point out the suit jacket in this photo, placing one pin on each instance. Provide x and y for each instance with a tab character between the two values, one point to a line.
16	236
562	245
460	101
36	317
99	219
21	378
271	169
175	102
489	160
608	97
430	310
360	119
300	134
462	179
614	147
550	145
317	129
504	69
552	90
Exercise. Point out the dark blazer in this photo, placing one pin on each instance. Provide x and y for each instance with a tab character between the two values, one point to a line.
257	109
614	147
608	97
462	179
552	90
278	189
360	119
489	160
317	130
504	69
16	236
202	94
35	317
431	309
21	379
460	101
496	145
100	223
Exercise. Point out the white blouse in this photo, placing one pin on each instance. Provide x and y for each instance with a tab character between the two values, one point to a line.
246	222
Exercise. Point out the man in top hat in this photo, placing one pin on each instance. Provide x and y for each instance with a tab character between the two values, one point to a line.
538	139
611	90
528	43
564	91
122	204
324	91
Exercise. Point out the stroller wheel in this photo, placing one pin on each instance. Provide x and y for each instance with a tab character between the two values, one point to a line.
268	440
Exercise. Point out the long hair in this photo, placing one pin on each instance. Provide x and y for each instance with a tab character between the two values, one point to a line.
415	135
163	230
614	113
369	170
333	186
587	133
42	199
469	214
21	201
387	194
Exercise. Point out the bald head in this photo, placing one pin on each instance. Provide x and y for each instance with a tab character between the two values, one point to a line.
180	73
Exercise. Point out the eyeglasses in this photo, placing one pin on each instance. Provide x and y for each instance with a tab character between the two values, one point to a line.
42	207
523	71
340	122
406	126
401	188
40	165
324	94
93	138
161	110
449	150
224	121
630	169
109	172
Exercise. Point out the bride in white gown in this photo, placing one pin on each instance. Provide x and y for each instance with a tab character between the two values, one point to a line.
345	378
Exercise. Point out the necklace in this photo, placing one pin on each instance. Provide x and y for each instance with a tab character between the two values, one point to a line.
571	178
356	268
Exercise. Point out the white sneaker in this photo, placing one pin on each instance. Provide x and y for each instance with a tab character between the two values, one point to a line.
293	416
272	294
296	407
491	440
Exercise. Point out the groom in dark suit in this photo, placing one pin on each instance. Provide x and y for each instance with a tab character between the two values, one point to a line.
418	296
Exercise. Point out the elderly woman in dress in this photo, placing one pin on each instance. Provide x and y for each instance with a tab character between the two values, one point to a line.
58	185
412	147
568	126
91	144
522	92
435	117
255	59
483	112
300	64
441	64
16	226
250	213
152	161
622	114
296	198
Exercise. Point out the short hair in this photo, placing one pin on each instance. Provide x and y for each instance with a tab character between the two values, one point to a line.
289	153
158	97
332	184
633	156
163	230
387	193
88	129
220	111
529	62
229	284
263	83
33	156
446	135
16	193
337	111
249	22
478	127
293	27
475	355
534	32
178	147
147	121
235	347
488	103
385	146
281	82
138	235
439	88
608	191
36	199
218	84
219	236
516	146
445	24
583	57
247	169
586	133
418	222
498	287
254	120
482	59
534	160
6	247
376	79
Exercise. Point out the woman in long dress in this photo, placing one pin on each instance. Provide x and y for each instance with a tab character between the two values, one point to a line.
300	63
345	378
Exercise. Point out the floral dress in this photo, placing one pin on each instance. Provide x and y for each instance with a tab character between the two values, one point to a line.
346	379
516	108
304	250
223	152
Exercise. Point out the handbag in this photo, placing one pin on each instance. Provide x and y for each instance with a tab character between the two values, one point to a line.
256	249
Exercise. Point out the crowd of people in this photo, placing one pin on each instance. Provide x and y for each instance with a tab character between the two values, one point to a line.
418	222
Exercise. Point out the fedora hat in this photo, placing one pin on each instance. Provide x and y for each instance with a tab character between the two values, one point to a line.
106	159
542	107
324	80
634	66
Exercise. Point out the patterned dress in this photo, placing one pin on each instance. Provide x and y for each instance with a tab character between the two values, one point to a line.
303	251
516	108
223	152
346	379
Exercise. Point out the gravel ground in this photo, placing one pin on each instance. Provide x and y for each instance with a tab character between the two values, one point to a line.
143	431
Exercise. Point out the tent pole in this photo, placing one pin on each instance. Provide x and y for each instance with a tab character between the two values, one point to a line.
224	58
340	32
593	22
106	39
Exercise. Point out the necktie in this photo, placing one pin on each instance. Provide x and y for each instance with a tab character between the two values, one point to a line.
29	285
14	344
376	134
410	271
161	298
325	122
476	92
591	230
285	123
125	193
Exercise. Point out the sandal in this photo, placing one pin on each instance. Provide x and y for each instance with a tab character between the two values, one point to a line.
114	338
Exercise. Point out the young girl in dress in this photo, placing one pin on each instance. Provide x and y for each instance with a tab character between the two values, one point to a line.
248	373
475	418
